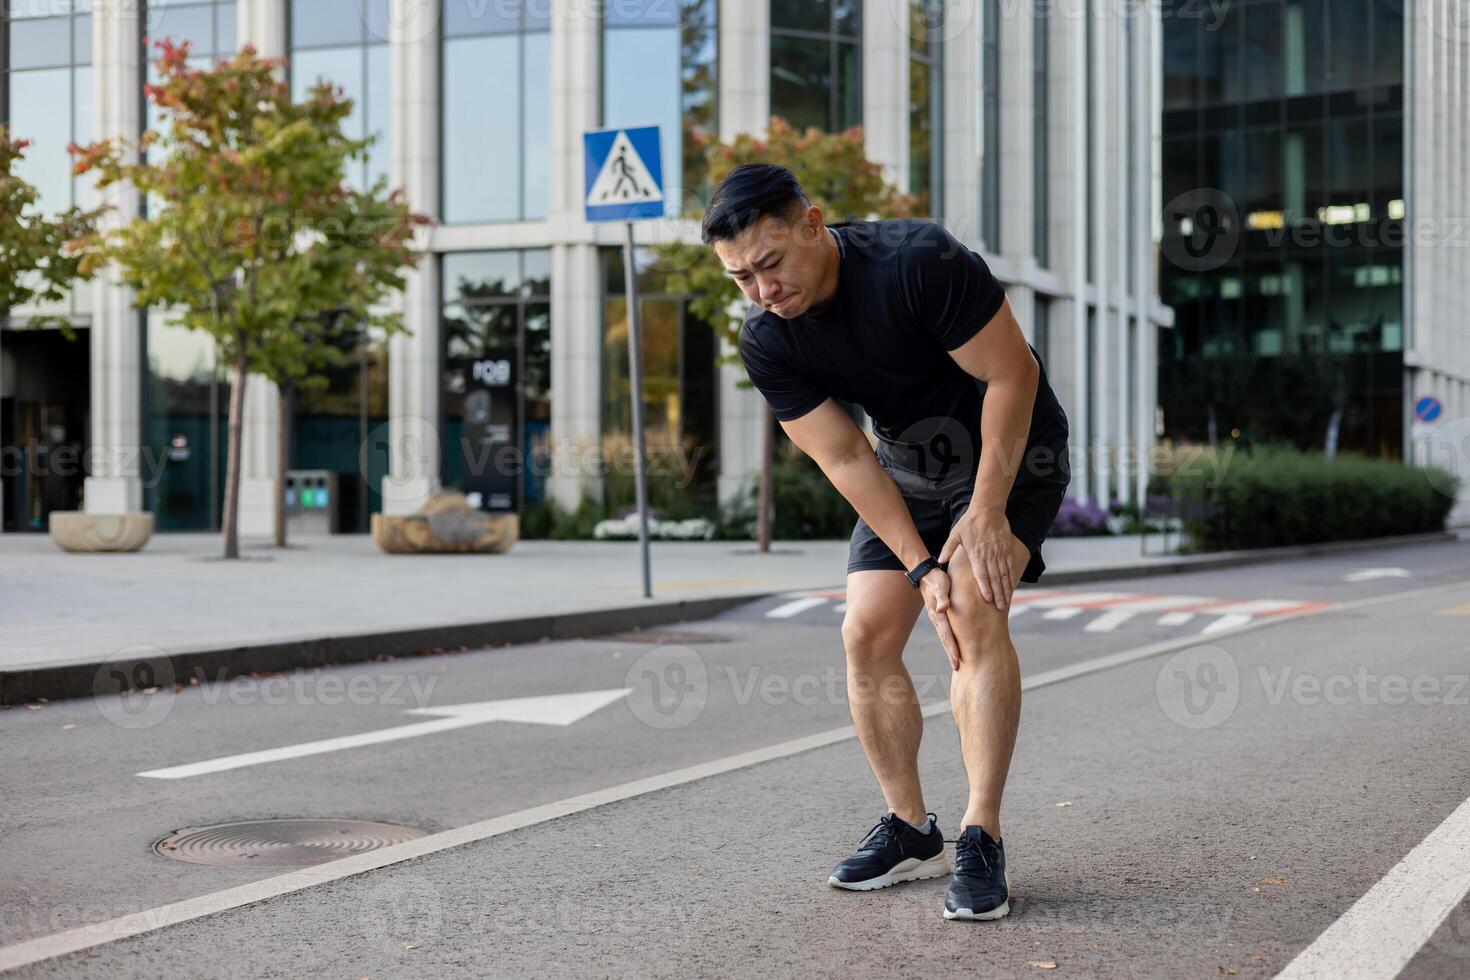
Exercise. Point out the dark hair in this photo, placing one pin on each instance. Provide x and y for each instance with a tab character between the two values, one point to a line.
747	194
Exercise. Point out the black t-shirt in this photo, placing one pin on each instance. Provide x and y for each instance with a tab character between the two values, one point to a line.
908	293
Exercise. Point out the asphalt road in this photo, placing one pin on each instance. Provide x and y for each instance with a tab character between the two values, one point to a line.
1212	804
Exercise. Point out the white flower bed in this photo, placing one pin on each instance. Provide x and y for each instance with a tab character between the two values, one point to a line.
694	529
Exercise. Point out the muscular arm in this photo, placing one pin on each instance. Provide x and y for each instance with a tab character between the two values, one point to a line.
830	437
999	356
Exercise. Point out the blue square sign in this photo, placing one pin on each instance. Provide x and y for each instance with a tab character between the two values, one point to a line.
624	176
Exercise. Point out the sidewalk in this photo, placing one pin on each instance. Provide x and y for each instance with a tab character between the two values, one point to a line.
333	599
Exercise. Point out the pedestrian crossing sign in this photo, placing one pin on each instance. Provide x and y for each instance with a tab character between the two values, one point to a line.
624	174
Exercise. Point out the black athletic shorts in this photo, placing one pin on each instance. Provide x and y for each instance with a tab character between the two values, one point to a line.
935	506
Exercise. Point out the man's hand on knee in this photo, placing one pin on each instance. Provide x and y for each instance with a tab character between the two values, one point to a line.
985	535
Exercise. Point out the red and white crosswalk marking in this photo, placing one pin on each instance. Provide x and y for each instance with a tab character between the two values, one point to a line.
1103	612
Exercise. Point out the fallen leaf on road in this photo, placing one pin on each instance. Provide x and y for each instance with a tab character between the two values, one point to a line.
1065	803
1044	964
1227	971
1278	880
67	728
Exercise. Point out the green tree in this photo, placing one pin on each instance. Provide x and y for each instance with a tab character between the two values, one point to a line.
38	261
837	175
252	231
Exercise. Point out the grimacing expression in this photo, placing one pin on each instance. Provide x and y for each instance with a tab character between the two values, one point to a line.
777	263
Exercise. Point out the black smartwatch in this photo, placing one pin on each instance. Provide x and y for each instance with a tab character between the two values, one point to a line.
921	569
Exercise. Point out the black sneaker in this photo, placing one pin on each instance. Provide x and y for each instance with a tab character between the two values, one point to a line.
980	888
892	852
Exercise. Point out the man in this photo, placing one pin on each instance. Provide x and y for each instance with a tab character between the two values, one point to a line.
900	318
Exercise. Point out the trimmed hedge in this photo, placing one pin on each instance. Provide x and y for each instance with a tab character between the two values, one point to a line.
1275	496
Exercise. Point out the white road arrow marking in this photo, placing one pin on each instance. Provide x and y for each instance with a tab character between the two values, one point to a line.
549	709
1369	574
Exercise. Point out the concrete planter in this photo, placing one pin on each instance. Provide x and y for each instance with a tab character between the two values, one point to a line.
451	532
76	530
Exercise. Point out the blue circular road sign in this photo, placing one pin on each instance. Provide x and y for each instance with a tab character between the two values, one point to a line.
1428	408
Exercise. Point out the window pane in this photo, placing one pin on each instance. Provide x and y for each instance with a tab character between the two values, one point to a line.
84	189
1181	62
463	17
40	111
321	22
1263	51
849	87
81	51
40	43
192	24
470	276
226	42
482	152
1388	41
642	86
1349	43
341	67
801	78
802	15
1305	31
377	111
847	18
537	269
537	150
376	20
645	12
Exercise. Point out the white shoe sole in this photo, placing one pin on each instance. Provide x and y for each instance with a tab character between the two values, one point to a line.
909	870
999	912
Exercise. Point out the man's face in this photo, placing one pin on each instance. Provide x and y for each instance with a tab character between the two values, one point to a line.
778	263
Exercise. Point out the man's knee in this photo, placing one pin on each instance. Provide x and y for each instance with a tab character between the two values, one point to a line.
871	640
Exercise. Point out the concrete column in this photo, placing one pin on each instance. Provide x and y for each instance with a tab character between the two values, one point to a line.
413	358
745	107
961	194
1079	105
576	289
115	485
745	67
261	23
1017	197
886	87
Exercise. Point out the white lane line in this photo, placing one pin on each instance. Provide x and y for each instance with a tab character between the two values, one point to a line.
841	607
1109	621
1228	622
1384	929
151	920
789	609
1061	612
1175	618
1014	611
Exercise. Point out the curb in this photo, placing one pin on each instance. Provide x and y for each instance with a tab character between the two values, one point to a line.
63	681
1235	559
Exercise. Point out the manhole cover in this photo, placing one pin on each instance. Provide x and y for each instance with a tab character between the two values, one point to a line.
682	637
289	843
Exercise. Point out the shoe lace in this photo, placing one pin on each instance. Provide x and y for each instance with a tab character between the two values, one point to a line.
969	855
884	832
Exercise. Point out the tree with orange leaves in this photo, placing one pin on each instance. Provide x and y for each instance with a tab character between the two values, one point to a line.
252	233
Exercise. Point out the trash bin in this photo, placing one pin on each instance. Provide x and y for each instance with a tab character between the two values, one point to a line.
312	502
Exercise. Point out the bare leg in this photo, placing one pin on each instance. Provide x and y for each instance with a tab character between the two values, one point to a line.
881	609
985	693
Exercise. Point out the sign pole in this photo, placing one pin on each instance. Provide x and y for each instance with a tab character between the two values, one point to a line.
635	384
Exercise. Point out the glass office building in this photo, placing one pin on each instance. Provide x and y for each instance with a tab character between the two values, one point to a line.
1030	131
1293	123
